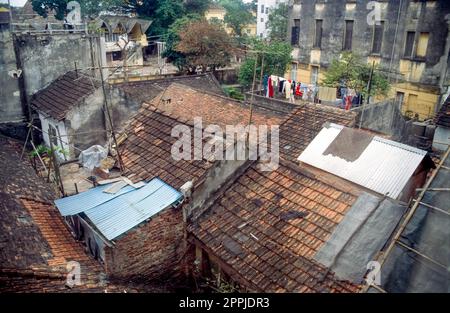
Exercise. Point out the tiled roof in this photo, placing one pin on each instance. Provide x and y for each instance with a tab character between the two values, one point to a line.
147	150
443	117
147	90
305	123
35	244
268	226
64	93
180	101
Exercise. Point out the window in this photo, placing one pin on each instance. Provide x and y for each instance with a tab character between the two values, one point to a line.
314	75
267	10
409	45
295	32
422	45
400	98
53	135
262	20
294	67
377	38
117	55
348	35
262	8
318	36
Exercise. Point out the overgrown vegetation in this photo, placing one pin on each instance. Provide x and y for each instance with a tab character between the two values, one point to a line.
233	93
204	45
352	72
277	57
278	22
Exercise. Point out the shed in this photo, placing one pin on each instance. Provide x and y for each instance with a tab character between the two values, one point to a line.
115	218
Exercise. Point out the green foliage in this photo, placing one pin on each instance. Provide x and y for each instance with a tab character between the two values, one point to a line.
43	150
172	39
204	45
234	93
277	57
238	15
278	22
42	7
197	6
88	7
164	13
351	71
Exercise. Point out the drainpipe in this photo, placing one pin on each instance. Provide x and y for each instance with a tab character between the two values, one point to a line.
444	64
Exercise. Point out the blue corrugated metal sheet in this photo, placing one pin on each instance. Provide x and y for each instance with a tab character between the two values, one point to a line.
114	215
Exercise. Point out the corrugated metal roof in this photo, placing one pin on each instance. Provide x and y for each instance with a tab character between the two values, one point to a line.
384	166
115	214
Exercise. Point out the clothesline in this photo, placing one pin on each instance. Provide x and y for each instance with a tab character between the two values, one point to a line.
342	97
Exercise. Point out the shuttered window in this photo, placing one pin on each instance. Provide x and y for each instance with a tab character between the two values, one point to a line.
318	36
295	32
348	35
377	38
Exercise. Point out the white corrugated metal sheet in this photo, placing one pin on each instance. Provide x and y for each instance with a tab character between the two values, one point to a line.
385	166
116	214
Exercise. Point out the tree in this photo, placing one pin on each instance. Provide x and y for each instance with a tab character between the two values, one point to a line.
277	57
352	72
172	39
278	22
238	15
197	6
88	7
205	45
43	7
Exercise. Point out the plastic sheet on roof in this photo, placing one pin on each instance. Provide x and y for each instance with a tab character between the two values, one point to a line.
428	232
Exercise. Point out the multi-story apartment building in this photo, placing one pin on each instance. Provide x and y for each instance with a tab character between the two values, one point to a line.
408	39
264	9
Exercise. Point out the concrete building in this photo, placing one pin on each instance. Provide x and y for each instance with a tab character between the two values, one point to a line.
409	40
218	12
124	37
71	112
264	9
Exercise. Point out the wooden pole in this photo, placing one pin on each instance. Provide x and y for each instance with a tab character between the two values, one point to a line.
55	162
121	165
369	89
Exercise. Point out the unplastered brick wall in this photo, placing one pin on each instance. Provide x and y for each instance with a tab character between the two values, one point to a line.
152	250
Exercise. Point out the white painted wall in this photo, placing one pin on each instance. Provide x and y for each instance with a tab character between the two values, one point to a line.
264	9
45	122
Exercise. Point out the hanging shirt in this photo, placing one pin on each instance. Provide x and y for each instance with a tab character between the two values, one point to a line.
274	80
270	89
288	89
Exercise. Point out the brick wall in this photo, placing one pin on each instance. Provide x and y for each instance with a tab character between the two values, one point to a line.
152	250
